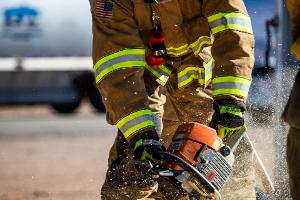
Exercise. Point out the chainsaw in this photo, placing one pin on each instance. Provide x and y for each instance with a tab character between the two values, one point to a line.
198	160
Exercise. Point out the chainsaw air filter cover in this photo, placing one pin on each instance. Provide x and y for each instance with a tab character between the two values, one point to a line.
200	146
192	140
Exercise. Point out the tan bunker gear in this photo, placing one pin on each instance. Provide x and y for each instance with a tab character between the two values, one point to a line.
294	9
192	76
292	111
292	116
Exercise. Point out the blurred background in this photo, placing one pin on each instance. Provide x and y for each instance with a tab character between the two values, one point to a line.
54	140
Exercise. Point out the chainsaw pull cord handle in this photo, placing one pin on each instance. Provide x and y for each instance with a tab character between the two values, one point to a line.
167	156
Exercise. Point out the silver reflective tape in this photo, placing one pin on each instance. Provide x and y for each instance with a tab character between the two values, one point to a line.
135	122
207	70
160	71
187	75
120	59
225	21
199	43
231	85
161	75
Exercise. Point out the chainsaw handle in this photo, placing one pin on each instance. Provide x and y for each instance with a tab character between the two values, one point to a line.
167	156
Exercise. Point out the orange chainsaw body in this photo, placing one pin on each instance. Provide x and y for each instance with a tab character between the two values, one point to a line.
191	139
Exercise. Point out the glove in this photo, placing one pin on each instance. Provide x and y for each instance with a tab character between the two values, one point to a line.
228	118
147	150
146	147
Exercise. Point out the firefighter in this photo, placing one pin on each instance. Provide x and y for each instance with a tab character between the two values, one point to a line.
139	46
292	112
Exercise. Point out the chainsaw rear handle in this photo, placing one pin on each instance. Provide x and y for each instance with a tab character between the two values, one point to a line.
169	157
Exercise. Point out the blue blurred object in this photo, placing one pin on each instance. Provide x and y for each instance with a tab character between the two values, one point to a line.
260	12
262	93
16	16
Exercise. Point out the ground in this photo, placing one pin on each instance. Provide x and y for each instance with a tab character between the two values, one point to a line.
46	156
52	167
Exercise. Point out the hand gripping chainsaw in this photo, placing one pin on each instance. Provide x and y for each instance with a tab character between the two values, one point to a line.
198	159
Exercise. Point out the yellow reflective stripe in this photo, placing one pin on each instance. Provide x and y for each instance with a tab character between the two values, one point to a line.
208	77
128	64
208	70
231	79
162	73
155	73
206	80
198	50
166	70
230	21
227	15
187	81
177	51
135	122
203	75
230	85
198	45
210	62
186	70
118	54
201	80
231	27
133	116
130	132
196	42
235	92
187	75
178	48
177	54
126	58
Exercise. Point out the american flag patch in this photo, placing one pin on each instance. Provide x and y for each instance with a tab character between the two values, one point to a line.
104	8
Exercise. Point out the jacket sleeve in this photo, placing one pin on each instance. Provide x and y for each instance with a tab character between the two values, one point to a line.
232	49
114	31
119	61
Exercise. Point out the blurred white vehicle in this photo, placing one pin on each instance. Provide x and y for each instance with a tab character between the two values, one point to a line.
45	53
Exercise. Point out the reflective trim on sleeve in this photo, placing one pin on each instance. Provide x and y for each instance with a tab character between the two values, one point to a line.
187	75
178	51
230	21
230	85
135	122
206	72
199	44
126	58
162	73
